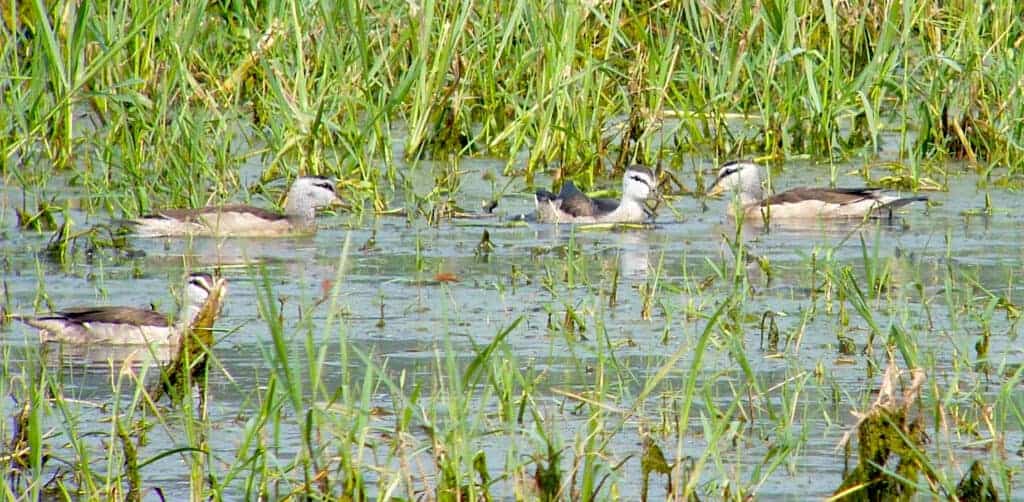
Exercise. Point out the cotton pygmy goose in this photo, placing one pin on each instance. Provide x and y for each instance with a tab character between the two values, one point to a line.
571	205
306	195
125	325
743	178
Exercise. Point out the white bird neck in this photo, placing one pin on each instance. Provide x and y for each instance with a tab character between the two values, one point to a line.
628	210
298	208
745	201
751	196
187	316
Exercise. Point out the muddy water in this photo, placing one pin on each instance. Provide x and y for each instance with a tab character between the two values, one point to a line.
392	307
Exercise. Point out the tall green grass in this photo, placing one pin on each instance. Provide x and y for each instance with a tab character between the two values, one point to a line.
151	103
148	105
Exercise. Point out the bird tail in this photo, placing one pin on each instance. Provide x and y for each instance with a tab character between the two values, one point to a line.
545	196
888	210
898	203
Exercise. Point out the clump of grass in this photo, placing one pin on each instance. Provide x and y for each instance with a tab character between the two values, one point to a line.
976	485
67	245
190	363
43	219
653	461
887	434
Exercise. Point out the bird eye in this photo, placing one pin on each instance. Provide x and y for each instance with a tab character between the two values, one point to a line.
641	180
199	283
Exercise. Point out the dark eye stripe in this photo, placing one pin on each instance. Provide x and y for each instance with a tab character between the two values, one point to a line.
199	283
728	172
641	180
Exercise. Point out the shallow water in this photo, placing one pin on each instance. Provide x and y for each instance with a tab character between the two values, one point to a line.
392	308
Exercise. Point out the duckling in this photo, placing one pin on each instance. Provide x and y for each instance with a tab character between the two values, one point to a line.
125	325
744	178
306	195
573	206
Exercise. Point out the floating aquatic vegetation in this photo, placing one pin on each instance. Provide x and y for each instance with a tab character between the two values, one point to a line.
976	486
890	442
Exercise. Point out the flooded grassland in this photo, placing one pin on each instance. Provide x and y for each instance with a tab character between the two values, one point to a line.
388	357
420	348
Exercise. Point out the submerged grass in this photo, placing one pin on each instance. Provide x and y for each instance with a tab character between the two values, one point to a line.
146	105
326	417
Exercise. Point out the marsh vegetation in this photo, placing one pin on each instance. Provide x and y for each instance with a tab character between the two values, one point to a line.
404	351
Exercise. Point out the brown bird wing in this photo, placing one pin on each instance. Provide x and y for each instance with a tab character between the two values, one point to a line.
192	214
577	204
605	205
111	315
838	196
